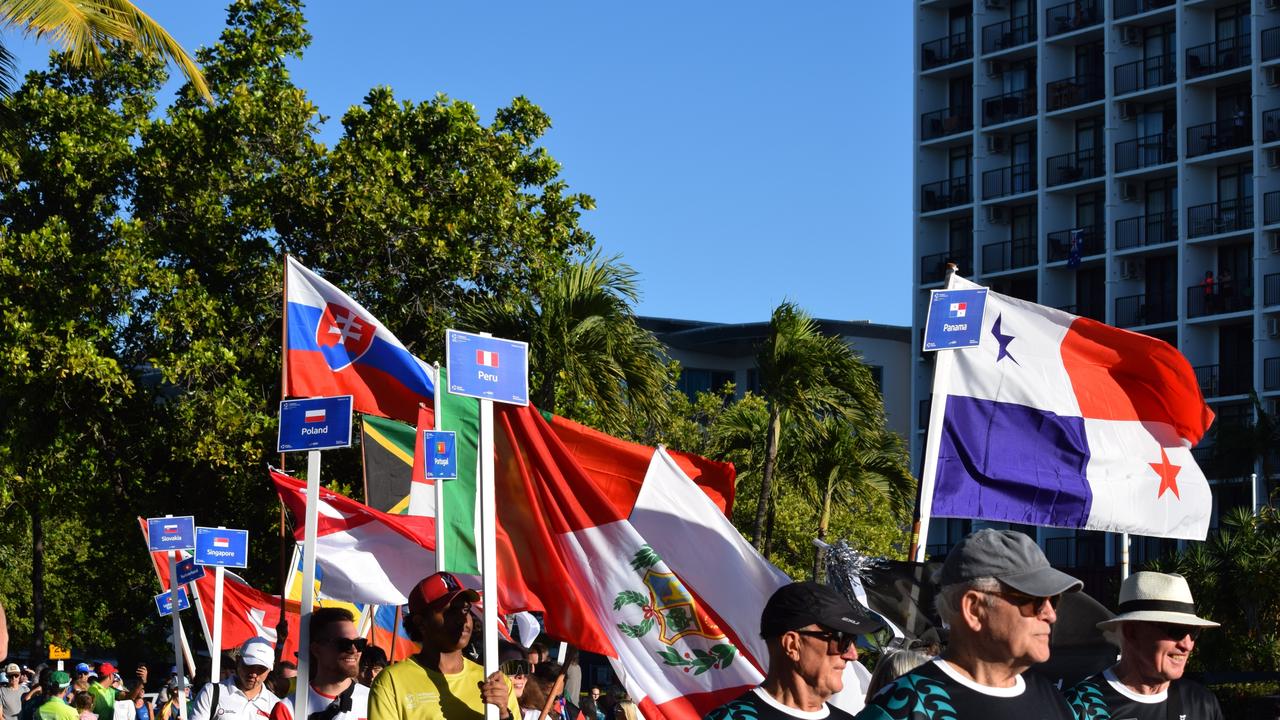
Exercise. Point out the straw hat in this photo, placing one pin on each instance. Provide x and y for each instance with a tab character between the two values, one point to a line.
1156	597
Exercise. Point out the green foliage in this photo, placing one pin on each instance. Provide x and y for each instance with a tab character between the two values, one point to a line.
1246	700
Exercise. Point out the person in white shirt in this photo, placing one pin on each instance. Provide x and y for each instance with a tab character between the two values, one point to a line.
242	696
333	693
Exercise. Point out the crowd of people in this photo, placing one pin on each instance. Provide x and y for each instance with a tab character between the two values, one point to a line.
998	598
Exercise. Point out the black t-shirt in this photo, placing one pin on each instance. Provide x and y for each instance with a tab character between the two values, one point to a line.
936	691
1102	697
756	704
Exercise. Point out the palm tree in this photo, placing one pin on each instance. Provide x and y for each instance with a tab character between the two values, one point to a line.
81	28
805	376
589	359
1239	448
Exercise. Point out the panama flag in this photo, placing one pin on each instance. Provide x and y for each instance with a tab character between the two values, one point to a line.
1062	421
958	310
333	346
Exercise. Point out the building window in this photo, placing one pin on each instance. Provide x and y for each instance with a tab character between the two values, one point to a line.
877	375
696	380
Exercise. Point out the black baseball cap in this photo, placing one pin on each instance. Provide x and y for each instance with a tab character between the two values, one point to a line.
808	603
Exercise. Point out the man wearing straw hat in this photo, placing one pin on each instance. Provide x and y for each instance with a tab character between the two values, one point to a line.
1157	628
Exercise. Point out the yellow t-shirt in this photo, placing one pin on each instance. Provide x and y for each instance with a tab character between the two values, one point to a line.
408	691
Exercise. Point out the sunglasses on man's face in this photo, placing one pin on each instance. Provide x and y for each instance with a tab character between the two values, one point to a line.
1028	605
345	645
1177	632
512	668
838	643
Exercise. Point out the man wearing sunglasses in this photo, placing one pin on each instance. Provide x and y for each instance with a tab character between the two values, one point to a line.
1157	628
998	599
809	630
242	696
336	648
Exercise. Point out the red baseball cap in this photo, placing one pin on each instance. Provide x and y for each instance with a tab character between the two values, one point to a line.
106	670
441	588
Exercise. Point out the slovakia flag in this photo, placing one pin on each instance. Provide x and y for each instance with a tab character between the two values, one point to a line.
336	347
1062	421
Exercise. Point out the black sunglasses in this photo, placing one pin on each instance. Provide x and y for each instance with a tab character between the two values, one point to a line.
1177	632
1028	605
841	642
344	645
512	668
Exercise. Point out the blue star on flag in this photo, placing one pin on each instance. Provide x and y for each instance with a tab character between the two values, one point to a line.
1004	341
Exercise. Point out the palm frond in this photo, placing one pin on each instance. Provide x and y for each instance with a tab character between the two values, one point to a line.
149	37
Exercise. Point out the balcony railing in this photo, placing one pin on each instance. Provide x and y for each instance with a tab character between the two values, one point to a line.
1270	44
1125	8
1271	208
944	194
1216	299
933	268
947	121
1146	73
1271	126
1008	255
1225	54
1073	166
1133	310
1271	289
1271	374
1010	33
945	51
1218	136
1072	91
1009	106
1207	379
1150	229
1220	217
1090	239
1147	151
1010	180
1070	16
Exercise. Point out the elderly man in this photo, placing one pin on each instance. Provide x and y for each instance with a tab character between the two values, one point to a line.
1157	628
997	597
809	631
243	696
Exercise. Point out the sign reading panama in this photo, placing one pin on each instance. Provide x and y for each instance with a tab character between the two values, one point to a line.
486	367
955	319
318	423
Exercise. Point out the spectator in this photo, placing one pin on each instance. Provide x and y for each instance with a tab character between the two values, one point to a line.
529	695
283	678
439	682
242	696
168	709
1207	289
893	665
103	691
12	692
1158	628
591	706
126	701
372	662
52	706
79	682
809	630
334	693
549	676
572	675
627	709
998	598
538	654
82	703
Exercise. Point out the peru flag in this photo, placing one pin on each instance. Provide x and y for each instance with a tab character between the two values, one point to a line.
1062	421
333	346
487	358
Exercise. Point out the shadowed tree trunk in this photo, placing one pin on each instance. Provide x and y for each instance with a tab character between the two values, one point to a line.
37	581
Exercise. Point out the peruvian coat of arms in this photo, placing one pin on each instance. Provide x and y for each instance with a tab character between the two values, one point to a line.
667	605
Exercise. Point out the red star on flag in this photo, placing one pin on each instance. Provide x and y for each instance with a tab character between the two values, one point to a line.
1168	475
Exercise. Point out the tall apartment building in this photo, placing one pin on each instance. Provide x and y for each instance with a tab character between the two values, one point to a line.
1106	157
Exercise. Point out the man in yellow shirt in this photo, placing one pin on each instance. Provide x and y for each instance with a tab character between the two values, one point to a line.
439	683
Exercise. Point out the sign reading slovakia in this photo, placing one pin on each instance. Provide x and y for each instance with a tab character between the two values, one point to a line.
488	368
164	605
188	570
220	546
171	533
438	451
318	423
955	319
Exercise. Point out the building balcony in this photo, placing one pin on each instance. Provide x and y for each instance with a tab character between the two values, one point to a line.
1073	91
1271	208
1075	166
1271	289
1271	126
1270	44
1008	34
1145	74
1152	229
1271	374
1216	57
1220	217
1009	106
945	194
947	50
1071	16
1090	239
1135	310
1125	8
1147	151
1010	180
944	122
933	268
1218	299
1217	381
1008	255
1216	137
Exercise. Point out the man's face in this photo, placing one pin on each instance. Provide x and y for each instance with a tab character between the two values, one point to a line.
1158	650
336	651
447	628
1020	625
250	677
82	680
823	656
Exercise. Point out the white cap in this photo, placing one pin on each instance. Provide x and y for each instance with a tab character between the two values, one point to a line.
258	651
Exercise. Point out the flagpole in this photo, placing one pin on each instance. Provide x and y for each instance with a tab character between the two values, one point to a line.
215	652
178	638
302	696
282	627
438	403
488	546
1124	556
395	633
194	590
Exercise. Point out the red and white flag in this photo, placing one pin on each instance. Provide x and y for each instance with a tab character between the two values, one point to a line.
487	358
221	542
316	415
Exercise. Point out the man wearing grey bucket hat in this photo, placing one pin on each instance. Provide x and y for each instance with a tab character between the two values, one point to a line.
1157	627
998	597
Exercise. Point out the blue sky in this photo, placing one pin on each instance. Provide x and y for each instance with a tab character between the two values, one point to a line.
739	153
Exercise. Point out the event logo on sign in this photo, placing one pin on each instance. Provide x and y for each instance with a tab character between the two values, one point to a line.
343	336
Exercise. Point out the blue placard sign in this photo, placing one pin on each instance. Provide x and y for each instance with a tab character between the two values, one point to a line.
955	319
220	546
319	423
188	570
171	533
438	452
488	368
164	605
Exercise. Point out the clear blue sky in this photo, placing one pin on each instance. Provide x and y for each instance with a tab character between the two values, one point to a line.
739	153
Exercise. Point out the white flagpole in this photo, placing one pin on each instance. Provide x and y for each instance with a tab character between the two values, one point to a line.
178	639
1124	556
215	652
488	546
193	591
438	401
303	693
943	361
